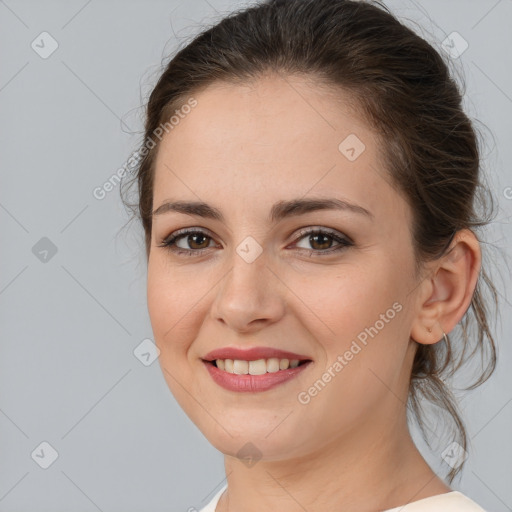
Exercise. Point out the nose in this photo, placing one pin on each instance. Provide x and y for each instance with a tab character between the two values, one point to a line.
249	297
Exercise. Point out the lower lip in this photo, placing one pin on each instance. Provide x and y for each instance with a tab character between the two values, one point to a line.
252	383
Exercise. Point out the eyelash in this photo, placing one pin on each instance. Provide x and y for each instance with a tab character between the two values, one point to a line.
343	241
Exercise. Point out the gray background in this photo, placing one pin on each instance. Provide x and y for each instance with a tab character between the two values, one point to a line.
70	323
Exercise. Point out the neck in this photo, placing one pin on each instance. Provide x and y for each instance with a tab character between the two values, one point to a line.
349	473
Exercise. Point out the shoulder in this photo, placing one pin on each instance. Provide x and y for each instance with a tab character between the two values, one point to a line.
453	501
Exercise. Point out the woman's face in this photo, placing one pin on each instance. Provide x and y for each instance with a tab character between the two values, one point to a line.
256	277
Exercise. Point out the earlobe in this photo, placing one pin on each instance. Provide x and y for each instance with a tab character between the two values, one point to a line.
427	335
448	293
432	338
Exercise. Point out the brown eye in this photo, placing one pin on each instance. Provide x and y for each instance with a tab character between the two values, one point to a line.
189	242
321	241
196	241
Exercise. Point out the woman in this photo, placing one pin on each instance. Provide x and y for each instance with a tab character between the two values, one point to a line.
307	191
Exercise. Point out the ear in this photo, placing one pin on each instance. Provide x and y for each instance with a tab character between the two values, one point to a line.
445	296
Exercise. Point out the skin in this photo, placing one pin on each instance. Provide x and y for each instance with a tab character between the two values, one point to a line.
242	149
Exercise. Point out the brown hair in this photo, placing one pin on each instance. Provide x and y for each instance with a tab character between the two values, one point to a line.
404	90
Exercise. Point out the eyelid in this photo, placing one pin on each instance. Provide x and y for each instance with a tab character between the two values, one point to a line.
329	231
187	231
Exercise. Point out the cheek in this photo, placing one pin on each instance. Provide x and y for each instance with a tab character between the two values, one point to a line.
362	330
351	298
173	299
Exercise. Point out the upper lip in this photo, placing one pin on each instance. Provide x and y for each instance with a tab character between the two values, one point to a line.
252	354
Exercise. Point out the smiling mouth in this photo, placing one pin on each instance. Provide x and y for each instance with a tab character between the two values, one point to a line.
256	367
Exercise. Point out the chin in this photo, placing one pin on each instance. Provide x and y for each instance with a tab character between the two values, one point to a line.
263	440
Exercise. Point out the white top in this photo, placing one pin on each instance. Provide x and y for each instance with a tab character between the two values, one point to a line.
453	501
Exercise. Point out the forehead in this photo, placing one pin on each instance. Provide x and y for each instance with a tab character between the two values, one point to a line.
272	112
277	136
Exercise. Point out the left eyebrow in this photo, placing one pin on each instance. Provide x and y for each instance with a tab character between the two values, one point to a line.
279	211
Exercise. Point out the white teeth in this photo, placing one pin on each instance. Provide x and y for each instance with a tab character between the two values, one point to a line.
258	367
240	367
273	365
